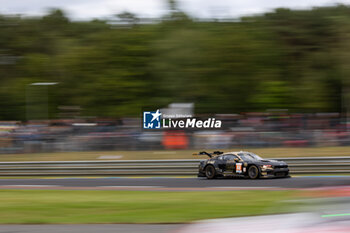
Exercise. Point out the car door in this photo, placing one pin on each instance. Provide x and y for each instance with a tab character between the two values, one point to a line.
230	163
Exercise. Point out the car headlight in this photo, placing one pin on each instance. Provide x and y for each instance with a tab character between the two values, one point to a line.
266	167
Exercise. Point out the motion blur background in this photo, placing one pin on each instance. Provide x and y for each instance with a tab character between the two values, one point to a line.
79	79
76	76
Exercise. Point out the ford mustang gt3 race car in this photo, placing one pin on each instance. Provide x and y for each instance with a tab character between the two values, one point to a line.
240	164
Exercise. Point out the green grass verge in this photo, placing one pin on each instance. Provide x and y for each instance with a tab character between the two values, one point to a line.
177	154
71	207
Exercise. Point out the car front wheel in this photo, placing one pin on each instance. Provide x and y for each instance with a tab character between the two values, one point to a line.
210	172
253	172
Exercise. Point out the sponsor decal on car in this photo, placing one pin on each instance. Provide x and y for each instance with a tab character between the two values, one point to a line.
238	167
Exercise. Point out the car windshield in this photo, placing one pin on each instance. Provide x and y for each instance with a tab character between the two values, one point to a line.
249	156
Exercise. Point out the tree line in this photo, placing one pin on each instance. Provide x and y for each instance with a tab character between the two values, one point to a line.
284	59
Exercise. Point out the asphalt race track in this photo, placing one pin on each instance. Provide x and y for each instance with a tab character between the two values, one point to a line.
166	182
150	183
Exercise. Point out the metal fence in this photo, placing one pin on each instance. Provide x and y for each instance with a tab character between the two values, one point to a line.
305	165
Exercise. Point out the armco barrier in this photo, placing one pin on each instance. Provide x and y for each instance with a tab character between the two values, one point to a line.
302	165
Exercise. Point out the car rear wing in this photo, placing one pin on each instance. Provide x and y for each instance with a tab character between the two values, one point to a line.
210	155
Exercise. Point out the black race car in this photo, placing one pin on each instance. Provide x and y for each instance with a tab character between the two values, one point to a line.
240	164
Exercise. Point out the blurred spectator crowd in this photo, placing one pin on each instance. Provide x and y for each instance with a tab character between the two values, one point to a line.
238	130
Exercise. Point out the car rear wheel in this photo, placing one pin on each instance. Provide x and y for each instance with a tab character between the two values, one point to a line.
210	172
253	172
